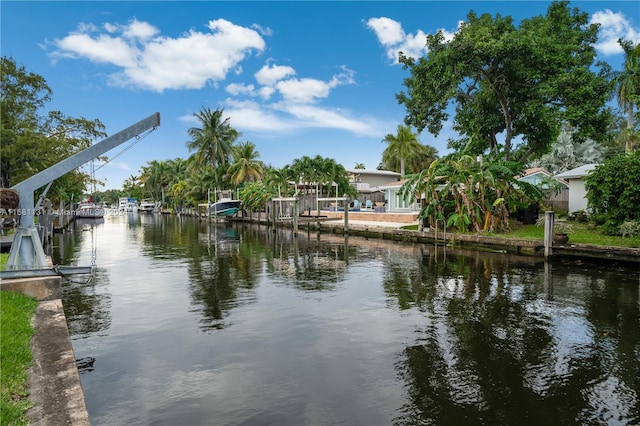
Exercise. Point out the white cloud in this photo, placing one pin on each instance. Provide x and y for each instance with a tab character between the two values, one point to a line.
389	32
269	75
393	38
139	30
613	26
251	116
157	63
287	118
240	89
308	90
102	49
303	90
312	116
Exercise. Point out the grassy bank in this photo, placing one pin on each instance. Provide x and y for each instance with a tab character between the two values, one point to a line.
16	312
581	233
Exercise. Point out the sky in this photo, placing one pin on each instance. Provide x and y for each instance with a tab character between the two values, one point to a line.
296	78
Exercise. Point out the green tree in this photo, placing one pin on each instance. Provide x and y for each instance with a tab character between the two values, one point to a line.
131	187
321	172
246	166
628	92
401	146
613	189
359	166
212	141
154	177
512	87
33	140
566	154
467	193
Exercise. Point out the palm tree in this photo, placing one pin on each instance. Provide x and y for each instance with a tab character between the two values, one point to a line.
360	166
213	141
566	154
628	89
402	146
154	177
246	166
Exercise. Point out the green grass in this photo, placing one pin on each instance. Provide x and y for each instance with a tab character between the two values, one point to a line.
582	233
16	312
3	260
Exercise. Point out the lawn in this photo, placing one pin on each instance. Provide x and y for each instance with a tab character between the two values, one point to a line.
16	311
582	233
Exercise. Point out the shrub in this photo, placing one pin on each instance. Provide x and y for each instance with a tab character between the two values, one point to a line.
579	216
613	188
630	228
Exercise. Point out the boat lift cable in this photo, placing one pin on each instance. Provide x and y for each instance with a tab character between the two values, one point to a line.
137	139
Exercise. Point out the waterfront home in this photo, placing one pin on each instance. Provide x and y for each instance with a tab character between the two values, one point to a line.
577	190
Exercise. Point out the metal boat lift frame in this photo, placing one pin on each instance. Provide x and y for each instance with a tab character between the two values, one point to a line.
27	253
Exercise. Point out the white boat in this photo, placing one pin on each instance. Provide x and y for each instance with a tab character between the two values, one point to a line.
224	207
127	204
89	211
147	206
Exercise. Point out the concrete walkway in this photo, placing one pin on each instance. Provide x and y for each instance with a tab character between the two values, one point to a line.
54	382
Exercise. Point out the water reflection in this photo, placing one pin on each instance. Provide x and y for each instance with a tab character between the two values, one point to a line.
86	308
190	321
502	349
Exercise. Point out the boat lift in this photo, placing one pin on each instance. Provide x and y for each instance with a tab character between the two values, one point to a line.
27	254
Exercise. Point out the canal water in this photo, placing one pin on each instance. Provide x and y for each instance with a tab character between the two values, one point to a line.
187	323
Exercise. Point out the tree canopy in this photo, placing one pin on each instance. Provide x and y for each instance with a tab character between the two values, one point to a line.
613	189
405	153
512	87
32	140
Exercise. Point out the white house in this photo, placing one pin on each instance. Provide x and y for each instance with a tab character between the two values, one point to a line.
396	203
577	191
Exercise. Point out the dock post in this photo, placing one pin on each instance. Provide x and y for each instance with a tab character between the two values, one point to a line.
274	215
346	214
549	217
295	217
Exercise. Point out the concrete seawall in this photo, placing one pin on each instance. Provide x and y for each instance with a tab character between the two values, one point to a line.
54	381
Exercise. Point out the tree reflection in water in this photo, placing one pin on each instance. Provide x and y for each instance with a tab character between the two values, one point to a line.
86	308
417	333
494	352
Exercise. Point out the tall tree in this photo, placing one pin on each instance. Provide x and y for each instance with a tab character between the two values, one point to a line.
401	146
512	87
628	91
33	140
212	141
246	166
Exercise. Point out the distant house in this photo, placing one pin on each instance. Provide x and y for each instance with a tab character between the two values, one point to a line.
535	176
367	183
577	191
396	203
558	199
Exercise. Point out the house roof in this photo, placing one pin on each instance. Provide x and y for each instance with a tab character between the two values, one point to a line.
372	172
396	184
578	172
540	171
535	171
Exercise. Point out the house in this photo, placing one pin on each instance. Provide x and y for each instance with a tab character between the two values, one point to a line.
396	203
367	183
577	191
556	196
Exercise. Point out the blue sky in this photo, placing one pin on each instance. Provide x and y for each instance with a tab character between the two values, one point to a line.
295	78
